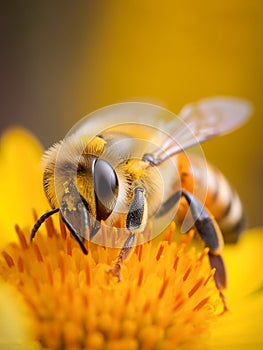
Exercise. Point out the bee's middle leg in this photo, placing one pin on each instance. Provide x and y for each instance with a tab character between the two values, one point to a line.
135	223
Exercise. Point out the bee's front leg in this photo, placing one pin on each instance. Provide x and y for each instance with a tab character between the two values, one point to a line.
135	223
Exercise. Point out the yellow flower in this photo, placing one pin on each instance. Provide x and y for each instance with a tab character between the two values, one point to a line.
242	328
167	298
20	181
15	329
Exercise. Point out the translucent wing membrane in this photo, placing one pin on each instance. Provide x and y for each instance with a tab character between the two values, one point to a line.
214	116
201	121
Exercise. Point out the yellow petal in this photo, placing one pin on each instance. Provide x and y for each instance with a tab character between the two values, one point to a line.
15	333
242	327
20	181
244	264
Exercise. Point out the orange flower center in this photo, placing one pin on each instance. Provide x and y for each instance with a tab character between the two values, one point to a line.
167	297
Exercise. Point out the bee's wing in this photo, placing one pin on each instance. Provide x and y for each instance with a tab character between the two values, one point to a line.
199	122
214	116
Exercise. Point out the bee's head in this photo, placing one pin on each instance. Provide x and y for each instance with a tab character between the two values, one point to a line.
81	183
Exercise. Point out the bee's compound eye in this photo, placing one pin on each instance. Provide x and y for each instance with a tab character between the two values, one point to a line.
106	188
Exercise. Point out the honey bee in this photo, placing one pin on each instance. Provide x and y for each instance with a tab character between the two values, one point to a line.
132	161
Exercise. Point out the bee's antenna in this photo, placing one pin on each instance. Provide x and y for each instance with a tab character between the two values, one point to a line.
40	221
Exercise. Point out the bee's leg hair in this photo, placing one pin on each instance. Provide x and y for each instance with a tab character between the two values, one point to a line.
125	250
74	213
135	223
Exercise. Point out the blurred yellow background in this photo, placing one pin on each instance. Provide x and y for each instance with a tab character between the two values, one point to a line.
62	59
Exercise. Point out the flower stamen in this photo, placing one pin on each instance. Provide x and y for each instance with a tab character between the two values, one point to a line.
202	303
187	273
159	253
21	237
195	288
167	296
38	253
163	288
140	278
9	260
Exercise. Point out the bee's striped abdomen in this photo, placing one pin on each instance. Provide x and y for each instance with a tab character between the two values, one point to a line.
210	186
